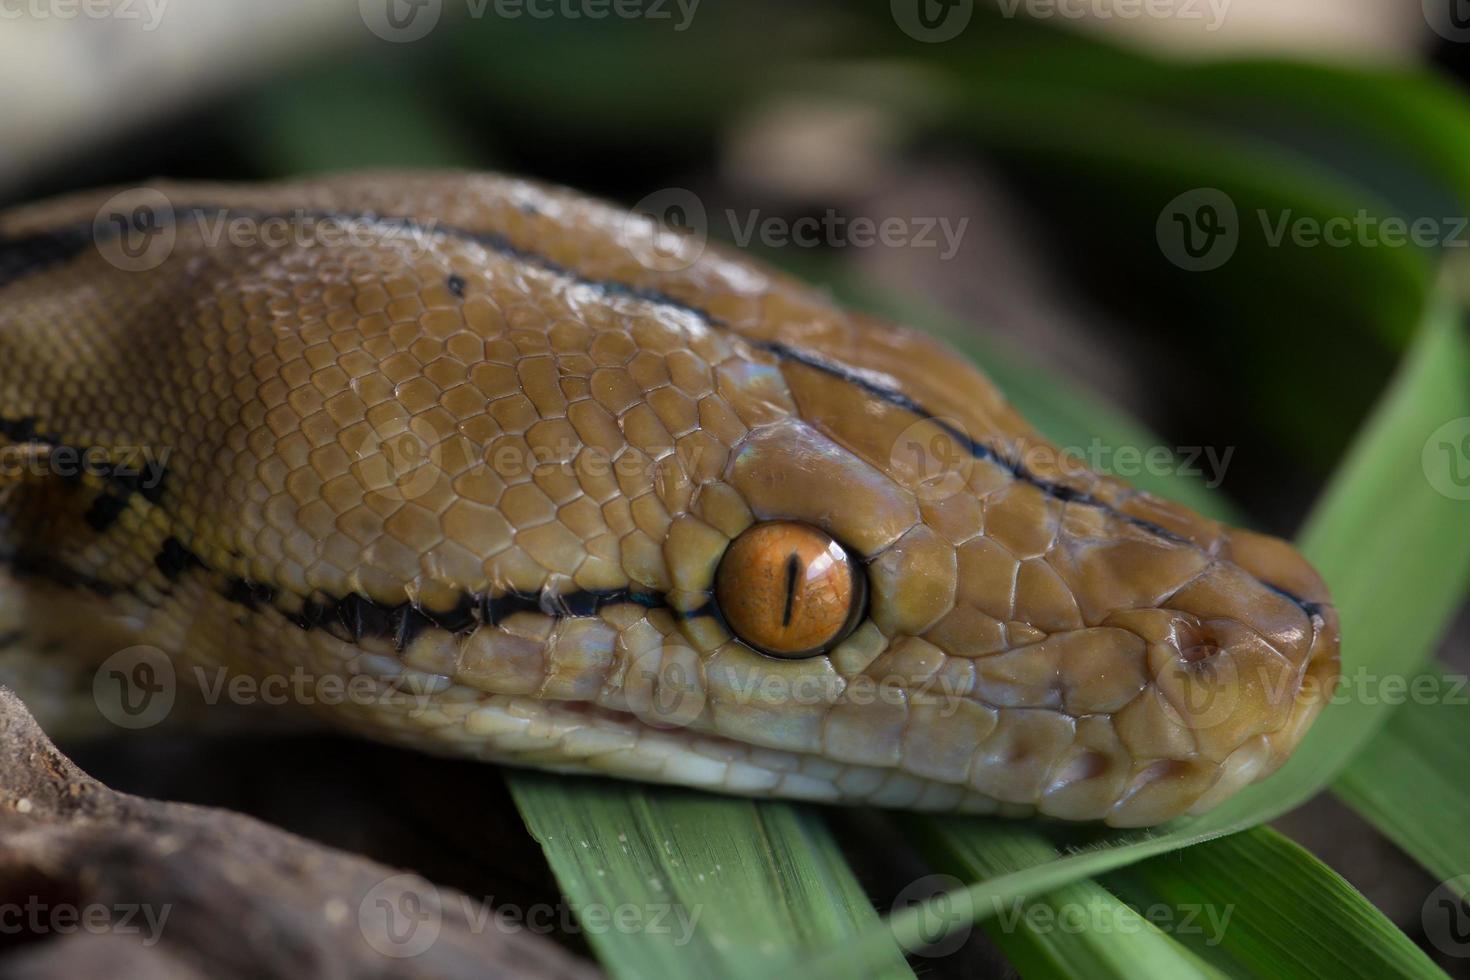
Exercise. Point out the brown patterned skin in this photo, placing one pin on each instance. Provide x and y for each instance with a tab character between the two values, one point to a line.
489	462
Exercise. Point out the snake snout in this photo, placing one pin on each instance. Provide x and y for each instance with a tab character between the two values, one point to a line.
1251	655
1283	570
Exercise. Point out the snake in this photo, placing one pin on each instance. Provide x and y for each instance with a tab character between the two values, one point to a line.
541	481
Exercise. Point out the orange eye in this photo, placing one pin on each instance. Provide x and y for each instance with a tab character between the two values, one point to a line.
789	590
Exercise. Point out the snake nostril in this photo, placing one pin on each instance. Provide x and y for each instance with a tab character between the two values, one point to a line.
1196	642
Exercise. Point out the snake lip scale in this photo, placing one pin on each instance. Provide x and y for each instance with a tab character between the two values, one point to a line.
824	560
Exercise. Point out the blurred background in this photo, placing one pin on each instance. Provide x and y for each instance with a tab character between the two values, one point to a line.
1223	218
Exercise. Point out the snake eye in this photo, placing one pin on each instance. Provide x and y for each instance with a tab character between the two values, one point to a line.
789	590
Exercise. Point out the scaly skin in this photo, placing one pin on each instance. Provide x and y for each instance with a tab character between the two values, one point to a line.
491	461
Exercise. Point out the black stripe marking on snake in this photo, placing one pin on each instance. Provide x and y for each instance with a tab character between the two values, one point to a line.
353	617
120	481
21	256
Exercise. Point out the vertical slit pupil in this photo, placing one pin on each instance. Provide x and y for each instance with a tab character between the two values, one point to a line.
793	569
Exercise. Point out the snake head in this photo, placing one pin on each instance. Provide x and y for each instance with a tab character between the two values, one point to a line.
1037	637
680	520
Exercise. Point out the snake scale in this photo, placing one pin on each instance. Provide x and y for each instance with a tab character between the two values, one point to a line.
557	501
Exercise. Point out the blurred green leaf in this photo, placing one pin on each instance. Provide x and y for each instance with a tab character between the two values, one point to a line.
1410	779
351	116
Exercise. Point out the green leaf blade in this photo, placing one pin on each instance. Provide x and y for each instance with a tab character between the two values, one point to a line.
716	887
1256	904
